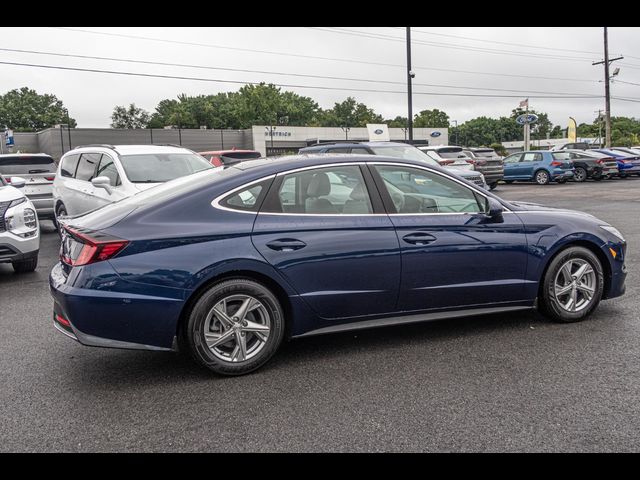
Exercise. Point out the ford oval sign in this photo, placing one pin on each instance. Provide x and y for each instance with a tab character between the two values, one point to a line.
435	134
378	131
527	118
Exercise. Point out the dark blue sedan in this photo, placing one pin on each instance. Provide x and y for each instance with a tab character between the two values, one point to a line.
227	263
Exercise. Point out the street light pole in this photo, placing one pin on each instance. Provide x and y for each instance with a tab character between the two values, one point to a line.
456	130
607	97
410	75
68	127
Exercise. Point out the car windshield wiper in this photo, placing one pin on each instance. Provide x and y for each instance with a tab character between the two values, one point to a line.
149	181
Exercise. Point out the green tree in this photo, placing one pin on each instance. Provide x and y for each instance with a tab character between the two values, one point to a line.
24	110
349	113
431	119
129	117
398	122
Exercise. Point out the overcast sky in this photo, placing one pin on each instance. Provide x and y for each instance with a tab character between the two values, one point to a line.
91	97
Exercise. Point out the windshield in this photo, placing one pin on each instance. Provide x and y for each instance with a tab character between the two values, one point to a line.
407	152
162	167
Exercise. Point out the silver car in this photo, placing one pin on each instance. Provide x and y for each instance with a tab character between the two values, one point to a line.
38	171
96	175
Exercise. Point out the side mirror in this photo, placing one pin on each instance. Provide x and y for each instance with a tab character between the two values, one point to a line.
18	182
102	182
494	209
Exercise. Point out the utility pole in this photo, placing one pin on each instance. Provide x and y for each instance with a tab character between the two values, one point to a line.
410	75
607	97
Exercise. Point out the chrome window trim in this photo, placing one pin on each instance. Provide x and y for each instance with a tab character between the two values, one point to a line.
216	201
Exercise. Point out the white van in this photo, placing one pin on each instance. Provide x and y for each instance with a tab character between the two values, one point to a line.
92	176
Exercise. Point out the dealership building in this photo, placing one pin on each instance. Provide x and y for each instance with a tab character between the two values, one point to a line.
268	140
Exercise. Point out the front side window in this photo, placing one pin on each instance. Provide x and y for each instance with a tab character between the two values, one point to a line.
515	158
415	191
161	167
87	166
332	190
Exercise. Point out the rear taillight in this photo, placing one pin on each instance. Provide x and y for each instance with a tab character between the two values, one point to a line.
471	161
50	178
556	164
216	162
61	320
7	179
95	247
446	162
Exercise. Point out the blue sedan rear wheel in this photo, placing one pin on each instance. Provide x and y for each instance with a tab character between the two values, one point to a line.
234	327
573	285
541	177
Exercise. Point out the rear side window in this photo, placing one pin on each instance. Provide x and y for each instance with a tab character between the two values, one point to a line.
87	166
68	165
248	199
25	164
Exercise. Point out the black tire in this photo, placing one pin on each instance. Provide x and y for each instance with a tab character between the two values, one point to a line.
550	306
561	181
599	178
191	335
541	177
61	210
509	181
624	175
493	186
580	174
25	266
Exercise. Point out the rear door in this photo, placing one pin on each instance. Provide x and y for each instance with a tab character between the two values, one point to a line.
324	229
81	191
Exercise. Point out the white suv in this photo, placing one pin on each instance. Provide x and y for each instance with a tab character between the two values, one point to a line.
19	229
92	176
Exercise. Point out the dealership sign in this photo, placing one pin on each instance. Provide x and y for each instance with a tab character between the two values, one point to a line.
527	118
435	134
378	132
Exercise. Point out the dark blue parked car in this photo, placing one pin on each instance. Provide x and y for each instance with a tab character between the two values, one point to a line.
628	163
225	264
541	166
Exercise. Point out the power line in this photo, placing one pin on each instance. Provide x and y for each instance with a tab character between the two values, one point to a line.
452	46
501	43
628	83
288	74
200	79
314	57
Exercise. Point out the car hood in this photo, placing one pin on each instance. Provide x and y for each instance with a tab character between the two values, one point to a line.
141	187
9	193
536	207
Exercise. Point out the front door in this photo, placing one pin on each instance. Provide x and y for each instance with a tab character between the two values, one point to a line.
328	235
453	255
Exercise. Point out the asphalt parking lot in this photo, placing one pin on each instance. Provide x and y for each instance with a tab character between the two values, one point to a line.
507	382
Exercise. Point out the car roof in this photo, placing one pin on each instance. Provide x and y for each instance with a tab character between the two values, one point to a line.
133	149
354	143
438	147
18	155
222	152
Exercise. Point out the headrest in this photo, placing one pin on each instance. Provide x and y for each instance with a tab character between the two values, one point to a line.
319	185
358	193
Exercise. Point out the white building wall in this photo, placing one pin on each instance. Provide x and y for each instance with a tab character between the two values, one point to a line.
282	134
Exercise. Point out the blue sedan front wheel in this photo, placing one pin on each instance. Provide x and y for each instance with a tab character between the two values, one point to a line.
234	327
573	285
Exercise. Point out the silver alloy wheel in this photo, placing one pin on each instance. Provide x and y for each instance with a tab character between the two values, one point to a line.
575	285
237	328
580	174
542	177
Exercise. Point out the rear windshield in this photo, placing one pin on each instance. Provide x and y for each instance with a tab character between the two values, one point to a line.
408	152
21	165
485	153
162	167
241	155
561	156
451	153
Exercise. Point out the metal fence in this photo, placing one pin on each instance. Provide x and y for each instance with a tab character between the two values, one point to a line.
57	141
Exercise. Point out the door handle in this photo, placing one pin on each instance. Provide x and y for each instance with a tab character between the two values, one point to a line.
419	238
286	244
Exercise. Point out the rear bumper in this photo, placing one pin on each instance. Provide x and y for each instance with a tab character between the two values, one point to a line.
105	317
562	174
